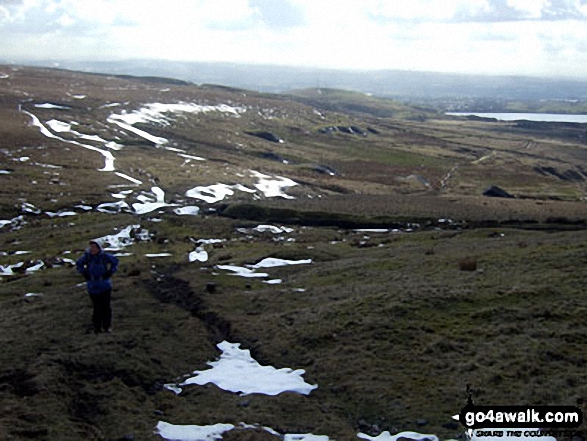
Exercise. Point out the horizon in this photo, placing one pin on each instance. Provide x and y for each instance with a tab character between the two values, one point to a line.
63	64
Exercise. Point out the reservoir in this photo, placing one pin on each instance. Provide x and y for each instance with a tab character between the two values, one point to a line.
544	117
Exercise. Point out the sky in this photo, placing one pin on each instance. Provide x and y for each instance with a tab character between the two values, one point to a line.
544	38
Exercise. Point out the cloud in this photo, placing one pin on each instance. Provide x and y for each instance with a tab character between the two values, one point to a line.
446	35
282	14
525	10
564	10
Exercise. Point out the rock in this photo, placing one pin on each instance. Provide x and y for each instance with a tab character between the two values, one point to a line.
496	192
567	175
266	135
325	170
273	157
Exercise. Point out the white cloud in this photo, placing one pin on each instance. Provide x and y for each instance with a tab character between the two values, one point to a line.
532	8
4	14
485	36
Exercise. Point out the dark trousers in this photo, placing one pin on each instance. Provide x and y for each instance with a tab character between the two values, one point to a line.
102	316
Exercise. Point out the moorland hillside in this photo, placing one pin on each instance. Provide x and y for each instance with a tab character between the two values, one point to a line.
391	254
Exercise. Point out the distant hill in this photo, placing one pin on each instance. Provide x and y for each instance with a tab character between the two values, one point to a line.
394	83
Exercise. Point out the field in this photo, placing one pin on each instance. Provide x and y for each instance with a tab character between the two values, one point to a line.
415	285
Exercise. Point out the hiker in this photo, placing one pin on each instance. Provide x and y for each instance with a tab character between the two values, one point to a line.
97	267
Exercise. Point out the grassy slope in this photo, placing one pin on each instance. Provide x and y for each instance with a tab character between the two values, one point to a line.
388	326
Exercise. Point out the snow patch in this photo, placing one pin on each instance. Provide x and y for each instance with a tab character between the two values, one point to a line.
272	229
236	371
198	255
269	186
51	106
148	205
271	262
241	271
190	210
192	432
126	237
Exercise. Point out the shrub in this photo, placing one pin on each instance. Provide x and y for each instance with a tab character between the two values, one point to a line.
468	264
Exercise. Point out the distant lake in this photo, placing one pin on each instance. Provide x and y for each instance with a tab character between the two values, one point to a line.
545	117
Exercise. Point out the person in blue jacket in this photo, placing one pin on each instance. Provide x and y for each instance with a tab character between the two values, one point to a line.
97	267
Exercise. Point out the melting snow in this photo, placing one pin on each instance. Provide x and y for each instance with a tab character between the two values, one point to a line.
173	388
51	106
305	437
133	180
273	282
7	270
16	222
40	264
155	113
214	432
236	371
188	210
30	208
192	433
210	241
33	294
195	158
58	126
61	214
272	229
147	205
269	186
271	262
120	121
240	271
273	186
112	207
198	255
108	157
211	194
115	242
386	436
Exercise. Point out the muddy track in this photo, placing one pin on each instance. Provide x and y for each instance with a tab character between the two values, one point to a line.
167	288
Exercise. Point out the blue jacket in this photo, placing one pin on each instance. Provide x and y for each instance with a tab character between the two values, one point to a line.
97	269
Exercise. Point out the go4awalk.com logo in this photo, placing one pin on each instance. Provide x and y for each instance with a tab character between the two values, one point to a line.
551	420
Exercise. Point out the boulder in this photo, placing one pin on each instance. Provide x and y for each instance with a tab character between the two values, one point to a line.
325	170
266	135
496	192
